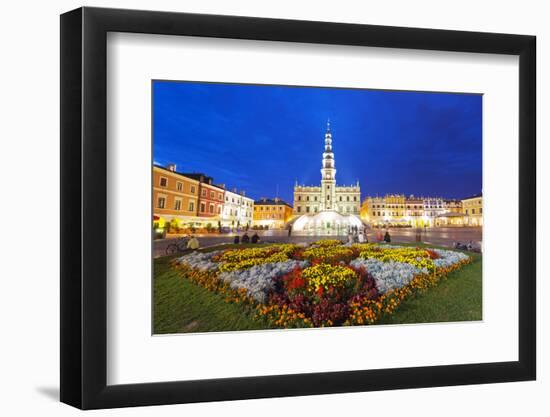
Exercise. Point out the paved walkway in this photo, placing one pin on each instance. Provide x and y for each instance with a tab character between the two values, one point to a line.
442	236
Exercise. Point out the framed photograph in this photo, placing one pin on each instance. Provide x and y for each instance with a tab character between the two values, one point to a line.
257	208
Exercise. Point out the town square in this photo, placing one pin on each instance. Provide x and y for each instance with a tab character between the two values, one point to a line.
242	250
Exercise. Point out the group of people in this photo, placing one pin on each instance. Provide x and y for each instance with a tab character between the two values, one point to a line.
246	239
357	235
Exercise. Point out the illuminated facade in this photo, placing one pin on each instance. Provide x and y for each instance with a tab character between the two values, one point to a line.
328	196
472	207
398	210
237	209
273	213
175	196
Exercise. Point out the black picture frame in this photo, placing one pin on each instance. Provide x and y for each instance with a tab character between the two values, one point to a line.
84	207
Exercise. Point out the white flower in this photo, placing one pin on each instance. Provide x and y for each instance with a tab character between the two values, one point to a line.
199	260
260	279
388	275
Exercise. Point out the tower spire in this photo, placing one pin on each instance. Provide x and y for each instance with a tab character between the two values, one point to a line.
328	125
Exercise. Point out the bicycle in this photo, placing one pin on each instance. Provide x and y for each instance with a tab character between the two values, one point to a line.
180	245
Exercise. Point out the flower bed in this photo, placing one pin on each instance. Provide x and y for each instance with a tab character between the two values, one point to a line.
324	284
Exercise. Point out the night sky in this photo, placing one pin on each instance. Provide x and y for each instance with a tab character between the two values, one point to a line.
264	138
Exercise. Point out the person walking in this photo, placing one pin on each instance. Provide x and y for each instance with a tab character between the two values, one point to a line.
387	237
289	230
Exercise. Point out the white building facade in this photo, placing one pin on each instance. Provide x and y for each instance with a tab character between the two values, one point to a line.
237	209
328	196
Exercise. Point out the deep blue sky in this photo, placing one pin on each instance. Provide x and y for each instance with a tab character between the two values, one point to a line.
260	138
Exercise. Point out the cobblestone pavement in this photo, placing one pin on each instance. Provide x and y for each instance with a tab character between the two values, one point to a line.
442	236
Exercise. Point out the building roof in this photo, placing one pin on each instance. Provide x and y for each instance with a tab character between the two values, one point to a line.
271	202
473	196
174	172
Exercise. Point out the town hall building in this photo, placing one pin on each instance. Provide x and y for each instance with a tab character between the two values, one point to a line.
328	196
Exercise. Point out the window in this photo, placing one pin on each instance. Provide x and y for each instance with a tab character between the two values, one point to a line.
315	209
203	207
163	182
179	186
161	202
328	197
315	198
307	198
191	206
347	198
340	198
211	208
192	189
177	204
480	210
466	211
220	210
307	209
299	198
220	197
203	192
212	195
299	209
473	211
280	208
354	198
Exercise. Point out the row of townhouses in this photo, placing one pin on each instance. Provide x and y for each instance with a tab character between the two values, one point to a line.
193	200
422	211
188	200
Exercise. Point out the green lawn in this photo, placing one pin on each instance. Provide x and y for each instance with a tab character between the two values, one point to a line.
181	306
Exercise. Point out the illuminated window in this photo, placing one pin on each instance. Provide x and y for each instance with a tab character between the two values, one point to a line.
161	202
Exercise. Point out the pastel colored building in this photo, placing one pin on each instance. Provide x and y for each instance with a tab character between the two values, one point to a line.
237	209
273	213
211	200
175	196
473	210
